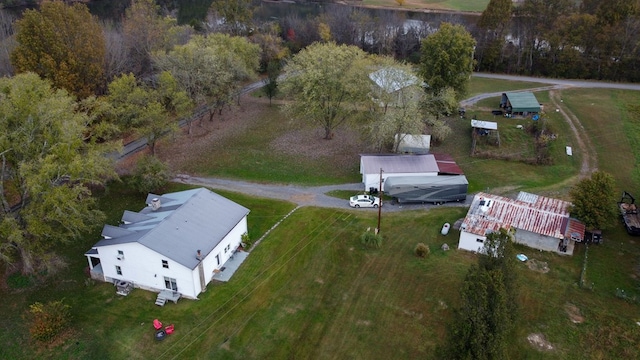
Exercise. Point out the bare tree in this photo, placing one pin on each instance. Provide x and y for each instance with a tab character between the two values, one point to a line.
343	29
116	61
7	42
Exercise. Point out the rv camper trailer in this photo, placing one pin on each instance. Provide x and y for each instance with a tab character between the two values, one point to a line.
433	189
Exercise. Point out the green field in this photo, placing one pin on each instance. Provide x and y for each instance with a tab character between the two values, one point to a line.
249	155
310	290
457	5
479	85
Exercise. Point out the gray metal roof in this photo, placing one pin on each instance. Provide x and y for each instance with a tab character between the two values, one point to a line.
481	124
392	163
393	79
186	221
110	231
426	180
131	216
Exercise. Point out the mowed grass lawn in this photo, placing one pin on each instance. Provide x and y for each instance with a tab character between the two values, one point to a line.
459	5
613	129
275	149
312	291
479	85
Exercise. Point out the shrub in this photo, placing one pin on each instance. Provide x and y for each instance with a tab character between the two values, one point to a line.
19	281
422	250
48	320
371	239
150	174
246	241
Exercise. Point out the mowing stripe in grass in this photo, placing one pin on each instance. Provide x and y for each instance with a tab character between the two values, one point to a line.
273	227
269	269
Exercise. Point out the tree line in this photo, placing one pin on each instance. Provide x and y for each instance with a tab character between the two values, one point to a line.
587	39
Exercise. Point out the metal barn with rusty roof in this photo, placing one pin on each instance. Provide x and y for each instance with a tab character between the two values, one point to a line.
540	222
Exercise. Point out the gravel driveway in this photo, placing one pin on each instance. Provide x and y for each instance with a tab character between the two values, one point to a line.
301	195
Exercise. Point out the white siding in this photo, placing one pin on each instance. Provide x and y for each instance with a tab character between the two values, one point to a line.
469	241
209	262
536	241
143	267
373	180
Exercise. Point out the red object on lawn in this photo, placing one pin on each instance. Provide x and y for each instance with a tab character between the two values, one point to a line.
169	329
157	324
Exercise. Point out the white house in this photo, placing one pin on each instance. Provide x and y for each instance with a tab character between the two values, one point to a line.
395	165
177	242
540	222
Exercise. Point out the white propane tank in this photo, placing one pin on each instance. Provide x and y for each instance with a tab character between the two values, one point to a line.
445	229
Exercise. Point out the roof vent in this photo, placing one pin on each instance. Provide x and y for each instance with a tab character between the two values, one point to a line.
485	205
199	255
155	204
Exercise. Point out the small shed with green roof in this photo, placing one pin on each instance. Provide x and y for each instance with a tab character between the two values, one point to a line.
520	103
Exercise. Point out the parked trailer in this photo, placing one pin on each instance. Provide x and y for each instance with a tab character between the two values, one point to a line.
629	213
433	189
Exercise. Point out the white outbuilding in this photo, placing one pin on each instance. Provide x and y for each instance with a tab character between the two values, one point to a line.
395	165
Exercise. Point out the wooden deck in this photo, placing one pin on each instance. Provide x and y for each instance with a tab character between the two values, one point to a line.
167	295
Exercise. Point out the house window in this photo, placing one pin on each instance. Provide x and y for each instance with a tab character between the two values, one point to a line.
170	284
120	255
480	240
165	264
118	270
218	259
227	248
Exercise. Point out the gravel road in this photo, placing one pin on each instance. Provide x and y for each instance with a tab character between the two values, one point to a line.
301	195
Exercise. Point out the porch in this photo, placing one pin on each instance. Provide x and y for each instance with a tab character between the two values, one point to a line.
229	268
96	273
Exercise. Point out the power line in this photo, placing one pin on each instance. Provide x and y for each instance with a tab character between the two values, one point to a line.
270	269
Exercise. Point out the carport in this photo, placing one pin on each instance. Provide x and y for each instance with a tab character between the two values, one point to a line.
520	103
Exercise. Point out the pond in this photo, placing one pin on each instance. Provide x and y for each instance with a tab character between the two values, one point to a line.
187	11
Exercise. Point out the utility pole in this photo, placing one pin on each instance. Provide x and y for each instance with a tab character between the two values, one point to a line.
380	203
